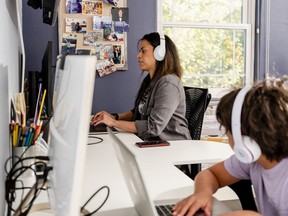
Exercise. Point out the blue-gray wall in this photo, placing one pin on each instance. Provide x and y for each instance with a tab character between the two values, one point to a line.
278	63
275	17
115	92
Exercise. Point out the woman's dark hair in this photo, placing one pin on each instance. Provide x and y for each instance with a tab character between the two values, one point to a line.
264	116
171	62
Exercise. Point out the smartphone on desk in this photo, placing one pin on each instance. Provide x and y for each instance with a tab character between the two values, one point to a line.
152	143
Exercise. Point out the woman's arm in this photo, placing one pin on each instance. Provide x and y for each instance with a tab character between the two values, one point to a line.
108	119
126	116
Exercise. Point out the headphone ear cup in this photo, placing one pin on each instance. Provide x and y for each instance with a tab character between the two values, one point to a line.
160	50
248	152
159	53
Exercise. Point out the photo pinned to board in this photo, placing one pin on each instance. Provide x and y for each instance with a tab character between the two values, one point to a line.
92	7
75	25
92	38
82	51
102	22
120	18
112	2
105	64
118	57
98	28
73	6
90	51
105	67
69	42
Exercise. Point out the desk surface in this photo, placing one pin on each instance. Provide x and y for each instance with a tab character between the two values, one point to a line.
179	152
165	181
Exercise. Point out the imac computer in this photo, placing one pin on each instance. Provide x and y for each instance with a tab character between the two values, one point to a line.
69	128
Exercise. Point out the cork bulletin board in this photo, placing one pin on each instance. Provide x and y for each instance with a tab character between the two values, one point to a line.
90	27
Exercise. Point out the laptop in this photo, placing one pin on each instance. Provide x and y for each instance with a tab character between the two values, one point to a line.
135	183
100	129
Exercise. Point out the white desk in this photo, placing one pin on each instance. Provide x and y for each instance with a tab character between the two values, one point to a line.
103	169
179	152
164	180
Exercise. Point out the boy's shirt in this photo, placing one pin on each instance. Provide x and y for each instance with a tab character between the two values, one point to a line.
270	185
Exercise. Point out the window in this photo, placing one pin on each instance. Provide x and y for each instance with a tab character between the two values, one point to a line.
214	40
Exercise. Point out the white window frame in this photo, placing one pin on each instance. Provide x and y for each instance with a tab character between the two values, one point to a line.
247	26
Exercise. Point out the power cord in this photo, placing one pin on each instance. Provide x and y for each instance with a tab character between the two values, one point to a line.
15	172
108	193
95	137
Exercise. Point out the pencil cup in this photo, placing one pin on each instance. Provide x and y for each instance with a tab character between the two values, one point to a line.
41	148
20	160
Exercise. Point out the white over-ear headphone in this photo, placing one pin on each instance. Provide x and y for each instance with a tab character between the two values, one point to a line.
160	50
246	149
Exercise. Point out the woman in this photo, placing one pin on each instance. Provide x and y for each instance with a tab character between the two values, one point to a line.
159	111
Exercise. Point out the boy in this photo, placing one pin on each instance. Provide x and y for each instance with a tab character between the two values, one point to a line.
256	124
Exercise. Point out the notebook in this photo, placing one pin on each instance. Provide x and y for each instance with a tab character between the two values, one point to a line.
100	129
134	179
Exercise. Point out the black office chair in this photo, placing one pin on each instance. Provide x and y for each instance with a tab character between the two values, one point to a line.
197	100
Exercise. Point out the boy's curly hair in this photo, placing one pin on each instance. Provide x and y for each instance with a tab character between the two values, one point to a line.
264	116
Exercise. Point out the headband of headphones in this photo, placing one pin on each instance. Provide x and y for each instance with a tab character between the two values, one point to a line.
246	149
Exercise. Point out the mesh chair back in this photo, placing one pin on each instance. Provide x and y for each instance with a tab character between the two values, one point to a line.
196	104
197	100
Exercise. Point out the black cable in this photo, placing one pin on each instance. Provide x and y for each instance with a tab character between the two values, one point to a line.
10	185
12	178
108	192
95	137
15	173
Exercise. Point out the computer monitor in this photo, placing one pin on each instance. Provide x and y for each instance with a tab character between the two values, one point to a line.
69	128
47	75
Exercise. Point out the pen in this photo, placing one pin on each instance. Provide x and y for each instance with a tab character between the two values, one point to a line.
40	136
28	137
15	135
42	102
12	133
31	140
38	128
40	88
23	130
25	137
19	136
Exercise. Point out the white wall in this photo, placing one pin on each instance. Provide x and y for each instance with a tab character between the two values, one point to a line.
9	79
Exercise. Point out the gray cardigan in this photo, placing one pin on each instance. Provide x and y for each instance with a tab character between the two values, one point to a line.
164	111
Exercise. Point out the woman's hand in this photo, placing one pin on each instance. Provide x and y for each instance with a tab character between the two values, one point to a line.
190	205
103	117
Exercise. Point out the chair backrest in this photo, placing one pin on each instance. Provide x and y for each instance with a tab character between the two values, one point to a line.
197	100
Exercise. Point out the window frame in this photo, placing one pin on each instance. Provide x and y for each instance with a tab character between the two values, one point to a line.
247	25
